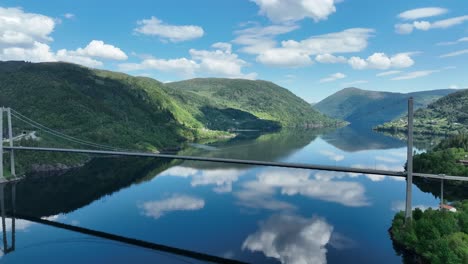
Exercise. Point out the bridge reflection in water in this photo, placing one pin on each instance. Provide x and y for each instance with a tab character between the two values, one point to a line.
9	244
6	247
167	157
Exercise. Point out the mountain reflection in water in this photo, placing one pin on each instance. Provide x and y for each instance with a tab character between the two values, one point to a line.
249	213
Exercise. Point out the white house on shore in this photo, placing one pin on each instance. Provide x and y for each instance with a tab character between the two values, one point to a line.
448	208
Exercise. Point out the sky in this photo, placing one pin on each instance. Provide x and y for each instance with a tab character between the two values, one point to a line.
312	47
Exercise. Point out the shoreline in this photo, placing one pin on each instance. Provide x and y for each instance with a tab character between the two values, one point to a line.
406	253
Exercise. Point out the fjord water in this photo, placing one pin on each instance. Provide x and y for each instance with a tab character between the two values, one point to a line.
252	214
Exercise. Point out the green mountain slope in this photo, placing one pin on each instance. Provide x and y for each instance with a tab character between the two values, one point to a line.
264	100
123	111
99	106
446	116
370	108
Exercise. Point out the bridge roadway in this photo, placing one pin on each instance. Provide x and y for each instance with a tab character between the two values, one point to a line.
243	162
220	160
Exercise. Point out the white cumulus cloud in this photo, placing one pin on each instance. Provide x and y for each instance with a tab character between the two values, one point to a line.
381	61
257	38
99	49
174	33
450	22
414	74
294	10
407	28
357	63
36	53
329	58
387	73
422	13
460	40
331	78
455	53
404	28
283	57
422	25
67	56
349	40
218	62
25	36
294	53
96	49
20	28
183	66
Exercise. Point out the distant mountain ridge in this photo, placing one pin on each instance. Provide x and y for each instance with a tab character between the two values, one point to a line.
370	108
263	99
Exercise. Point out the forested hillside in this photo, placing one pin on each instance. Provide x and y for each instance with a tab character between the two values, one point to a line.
123	111
446	116
445	157
265	100
99	106
439	237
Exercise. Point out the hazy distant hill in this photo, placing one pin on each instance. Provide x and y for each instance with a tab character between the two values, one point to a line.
446	116
264	100
370	108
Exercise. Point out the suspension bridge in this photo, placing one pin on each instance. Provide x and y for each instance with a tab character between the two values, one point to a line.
8	147
101	149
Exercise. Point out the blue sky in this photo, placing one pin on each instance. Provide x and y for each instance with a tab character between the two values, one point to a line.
312	47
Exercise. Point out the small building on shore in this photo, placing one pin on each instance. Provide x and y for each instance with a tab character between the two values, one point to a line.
448	208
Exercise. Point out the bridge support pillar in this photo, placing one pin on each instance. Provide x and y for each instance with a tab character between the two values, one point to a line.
409	163
13	224
3	214
442	191
10	136
2	178
2	208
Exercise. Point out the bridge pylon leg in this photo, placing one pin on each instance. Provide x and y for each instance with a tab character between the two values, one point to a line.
2	178
13	225
409	163
441	192
2	208
10	136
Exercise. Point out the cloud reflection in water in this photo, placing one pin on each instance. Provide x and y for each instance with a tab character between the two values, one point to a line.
156	209
291	239
221	178
259	193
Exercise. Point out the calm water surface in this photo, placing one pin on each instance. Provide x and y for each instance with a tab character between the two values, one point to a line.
253	214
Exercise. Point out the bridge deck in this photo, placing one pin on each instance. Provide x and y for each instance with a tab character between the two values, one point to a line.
220	160
243	162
